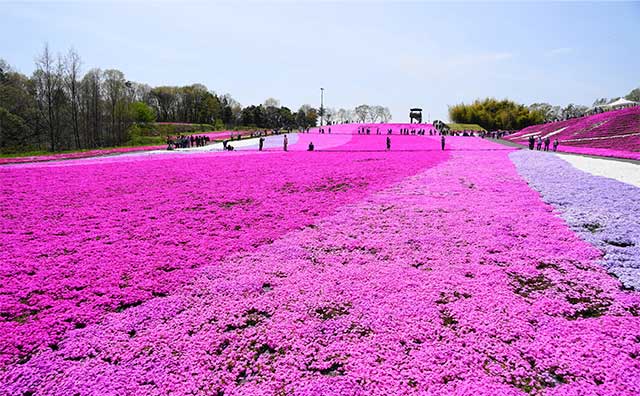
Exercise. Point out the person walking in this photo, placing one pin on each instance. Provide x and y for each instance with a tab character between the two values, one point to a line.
442	142
286	142
388	143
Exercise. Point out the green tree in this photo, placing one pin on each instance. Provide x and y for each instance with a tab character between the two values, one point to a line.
634	95
492	114
13	131
142	112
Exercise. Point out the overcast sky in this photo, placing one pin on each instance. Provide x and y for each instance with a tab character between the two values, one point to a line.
400	55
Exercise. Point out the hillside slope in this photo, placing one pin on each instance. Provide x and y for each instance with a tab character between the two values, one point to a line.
612	134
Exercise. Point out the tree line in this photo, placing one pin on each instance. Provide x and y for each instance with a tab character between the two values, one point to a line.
60	108
553	113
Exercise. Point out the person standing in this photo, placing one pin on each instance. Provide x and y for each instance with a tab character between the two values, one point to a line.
555	145
442	142
547	141
260	143
532	142
539	143
286	142
388	143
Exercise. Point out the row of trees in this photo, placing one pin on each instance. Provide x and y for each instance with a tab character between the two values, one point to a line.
557	113
362	113
271	115
492	114
59	108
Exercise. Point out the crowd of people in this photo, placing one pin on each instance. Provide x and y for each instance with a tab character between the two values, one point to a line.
402	131
183	141
364	131
187	141
419	132
276	131
494	134
539	143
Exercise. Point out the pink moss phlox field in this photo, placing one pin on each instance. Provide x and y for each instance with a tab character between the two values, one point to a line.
457	279
610	134
353	128
214	136
79	154
85	237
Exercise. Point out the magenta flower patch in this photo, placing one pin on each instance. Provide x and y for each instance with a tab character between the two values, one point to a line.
408	272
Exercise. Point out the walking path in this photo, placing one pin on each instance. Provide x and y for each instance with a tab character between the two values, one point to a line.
625	172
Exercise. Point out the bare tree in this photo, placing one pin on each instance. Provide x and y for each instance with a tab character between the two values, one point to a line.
91	107
271	102
115	90
48	78
342	115
362	112
72	65
164	101
375	113
142	93
385	114
329	114
573	111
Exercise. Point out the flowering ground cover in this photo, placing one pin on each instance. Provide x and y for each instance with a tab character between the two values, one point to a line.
422	273
395	127
601	210
77	154
83	238
214	136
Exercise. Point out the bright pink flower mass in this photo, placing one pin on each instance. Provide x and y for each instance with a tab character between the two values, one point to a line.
352	271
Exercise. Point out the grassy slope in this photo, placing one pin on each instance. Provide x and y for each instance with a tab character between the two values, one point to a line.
465	127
